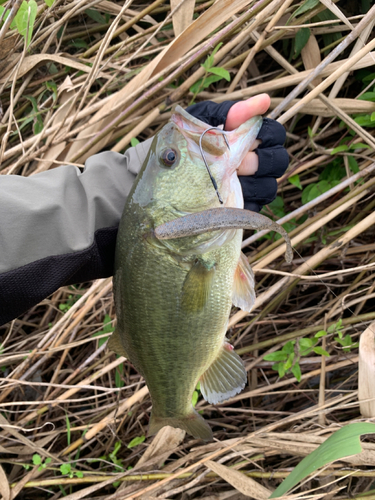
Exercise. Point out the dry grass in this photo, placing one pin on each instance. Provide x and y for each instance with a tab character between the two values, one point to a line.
100	82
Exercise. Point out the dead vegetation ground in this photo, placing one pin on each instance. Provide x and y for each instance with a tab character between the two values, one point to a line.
99	73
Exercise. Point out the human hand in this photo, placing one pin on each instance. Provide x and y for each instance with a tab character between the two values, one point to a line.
268	159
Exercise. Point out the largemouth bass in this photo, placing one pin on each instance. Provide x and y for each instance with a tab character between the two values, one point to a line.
179	268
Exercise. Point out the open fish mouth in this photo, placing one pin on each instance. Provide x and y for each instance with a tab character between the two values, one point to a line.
213	142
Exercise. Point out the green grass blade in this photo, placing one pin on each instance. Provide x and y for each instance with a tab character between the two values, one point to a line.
343	443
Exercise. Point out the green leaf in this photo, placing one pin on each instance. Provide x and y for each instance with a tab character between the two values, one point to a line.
117	448
277	207
335	327
107	328
343	147
33	102
79	474
276	356
343	443
353	165
220	72
294	179
308	5
367	96
364	121
334	171
49	2
289	361
68	431
308	194
203	83
305	343
289	347
217	48
320	351
134	141
280	368
296	370
321	333
25	19
95	16
194	399
37	459
210	59
52	69
65	468
6	15
314	190
372	117
346	341
301	39
363	74
107	324
38	125
208	63
360	145
211	79
51	86
79	43
136	441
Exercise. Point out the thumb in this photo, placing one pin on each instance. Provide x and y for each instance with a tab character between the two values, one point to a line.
244	110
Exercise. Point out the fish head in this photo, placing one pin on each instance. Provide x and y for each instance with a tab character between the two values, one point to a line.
174	176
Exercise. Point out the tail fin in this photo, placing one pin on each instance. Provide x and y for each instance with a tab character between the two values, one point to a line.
193	424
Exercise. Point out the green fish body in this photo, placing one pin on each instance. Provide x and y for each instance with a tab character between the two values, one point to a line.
173	297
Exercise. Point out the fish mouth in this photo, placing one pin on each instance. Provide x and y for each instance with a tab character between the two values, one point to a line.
213	142
214	145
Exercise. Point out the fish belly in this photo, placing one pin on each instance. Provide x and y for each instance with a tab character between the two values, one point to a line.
169	346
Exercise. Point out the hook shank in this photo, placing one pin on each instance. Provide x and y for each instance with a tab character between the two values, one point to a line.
205	161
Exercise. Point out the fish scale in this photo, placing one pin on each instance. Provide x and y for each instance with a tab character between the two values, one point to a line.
174	347
173	296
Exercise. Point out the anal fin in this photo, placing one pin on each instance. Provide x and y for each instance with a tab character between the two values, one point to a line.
243	295
197	287
115	344
225	378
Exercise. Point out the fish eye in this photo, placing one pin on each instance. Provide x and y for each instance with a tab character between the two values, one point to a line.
169	157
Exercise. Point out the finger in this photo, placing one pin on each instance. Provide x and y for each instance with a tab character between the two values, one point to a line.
273	162
271	134
255	144
244	110
249	165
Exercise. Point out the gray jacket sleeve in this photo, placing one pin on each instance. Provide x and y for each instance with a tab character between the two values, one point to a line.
65	219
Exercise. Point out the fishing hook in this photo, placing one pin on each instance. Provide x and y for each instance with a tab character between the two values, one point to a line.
205	161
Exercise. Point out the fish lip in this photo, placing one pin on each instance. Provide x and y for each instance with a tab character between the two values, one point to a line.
192	129
181	111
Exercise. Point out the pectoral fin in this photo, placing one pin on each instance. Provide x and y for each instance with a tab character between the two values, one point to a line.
115	344
197	287
220	218
225	378
243	285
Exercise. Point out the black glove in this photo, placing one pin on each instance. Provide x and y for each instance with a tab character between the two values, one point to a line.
261	188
